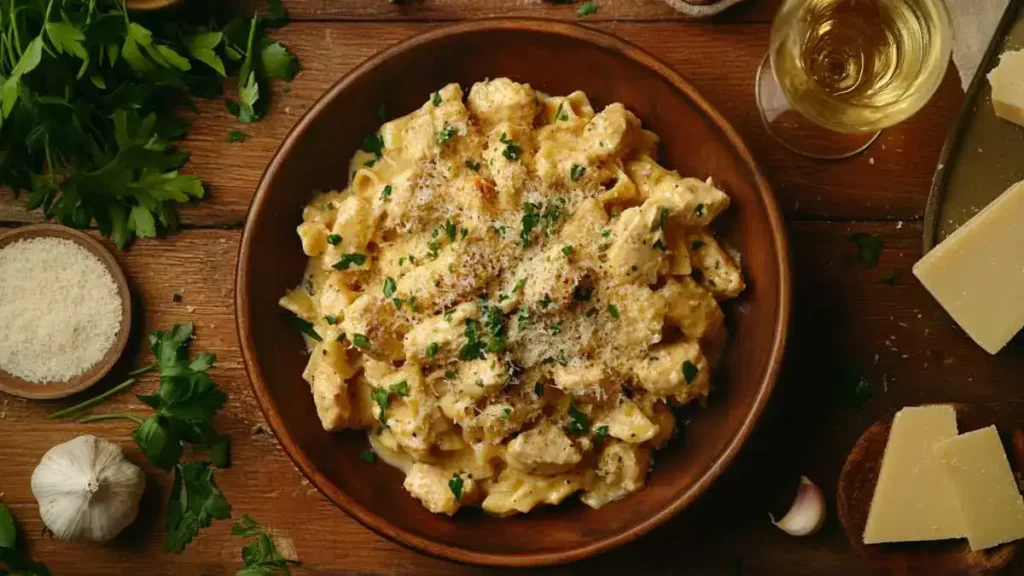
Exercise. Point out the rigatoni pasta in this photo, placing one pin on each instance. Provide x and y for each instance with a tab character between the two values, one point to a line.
511	295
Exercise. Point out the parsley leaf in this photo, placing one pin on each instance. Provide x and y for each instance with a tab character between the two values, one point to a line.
12	561
529	221
400	389
431	351
659	223
445	134
587	9
614	311
455	485
690	371
578	420
382	398
436	99
361	341
334	239
347	260
560	114
576	172
237	136
303	326
567	250
474	166
601	432
373	144
512	150
385	193
260	556
389	287
195	502
474	347
869	248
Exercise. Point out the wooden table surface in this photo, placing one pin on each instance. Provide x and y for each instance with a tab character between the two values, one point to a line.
846	316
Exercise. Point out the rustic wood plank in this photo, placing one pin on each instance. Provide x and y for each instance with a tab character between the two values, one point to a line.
846	315
646	10
889	181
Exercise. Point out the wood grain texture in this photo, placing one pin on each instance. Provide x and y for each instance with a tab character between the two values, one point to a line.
889	181
846	316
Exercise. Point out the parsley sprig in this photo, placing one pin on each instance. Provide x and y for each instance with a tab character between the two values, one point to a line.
184	409
260	556
13	560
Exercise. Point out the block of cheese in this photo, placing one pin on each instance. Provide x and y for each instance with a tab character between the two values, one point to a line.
1007	80
977	273
983	487
912	500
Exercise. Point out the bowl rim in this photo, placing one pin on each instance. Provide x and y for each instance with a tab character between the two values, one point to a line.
432	547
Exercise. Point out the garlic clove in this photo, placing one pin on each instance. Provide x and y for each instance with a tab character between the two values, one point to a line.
87	489
807	514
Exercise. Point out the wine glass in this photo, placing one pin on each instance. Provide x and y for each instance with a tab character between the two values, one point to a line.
838	71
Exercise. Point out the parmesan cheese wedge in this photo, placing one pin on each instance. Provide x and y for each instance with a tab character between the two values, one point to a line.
977	273
983	487
1007	81
912	500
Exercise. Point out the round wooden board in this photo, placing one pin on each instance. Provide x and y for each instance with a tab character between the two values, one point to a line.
52	391
940	558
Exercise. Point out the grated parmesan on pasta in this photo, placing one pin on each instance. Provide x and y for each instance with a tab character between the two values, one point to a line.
511	296
60	310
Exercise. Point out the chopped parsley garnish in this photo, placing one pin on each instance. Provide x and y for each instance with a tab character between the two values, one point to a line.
552	212
659	223
431	350
659	245
699	210
561	114
449	374
361	341
582	293
690	371
606	233
523	318
567	250
436	99
463	233
474	166
368	456
330	319
386	192
546	301
474	347
304	326
445	134
237	136
556	328
382	398
450	229
348	260
370	163
587	9
531	217
512	150
389	287
334	239
576	172
614	311
455	485
506	413
697	244
869	248
578	421
601	432
433	246
400	389
373	144
519	285
538	389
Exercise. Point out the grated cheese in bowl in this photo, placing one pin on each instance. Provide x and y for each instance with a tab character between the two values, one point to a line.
60	310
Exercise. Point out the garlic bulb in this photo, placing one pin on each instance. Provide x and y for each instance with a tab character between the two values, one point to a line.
87	489
807	514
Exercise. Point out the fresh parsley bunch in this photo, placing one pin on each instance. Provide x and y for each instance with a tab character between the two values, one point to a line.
88	98
184	408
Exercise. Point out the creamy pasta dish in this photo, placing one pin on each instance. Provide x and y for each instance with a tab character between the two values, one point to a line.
511	295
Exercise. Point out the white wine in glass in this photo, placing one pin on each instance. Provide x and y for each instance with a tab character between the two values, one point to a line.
838	71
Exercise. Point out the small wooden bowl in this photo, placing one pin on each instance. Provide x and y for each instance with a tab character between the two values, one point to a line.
556	58
939	558
52	391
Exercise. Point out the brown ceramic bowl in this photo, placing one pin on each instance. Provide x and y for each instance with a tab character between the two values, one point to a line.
54	390
556	58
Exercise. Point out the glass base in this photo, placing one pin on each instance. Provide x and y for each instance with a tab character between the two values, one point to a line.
794	131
